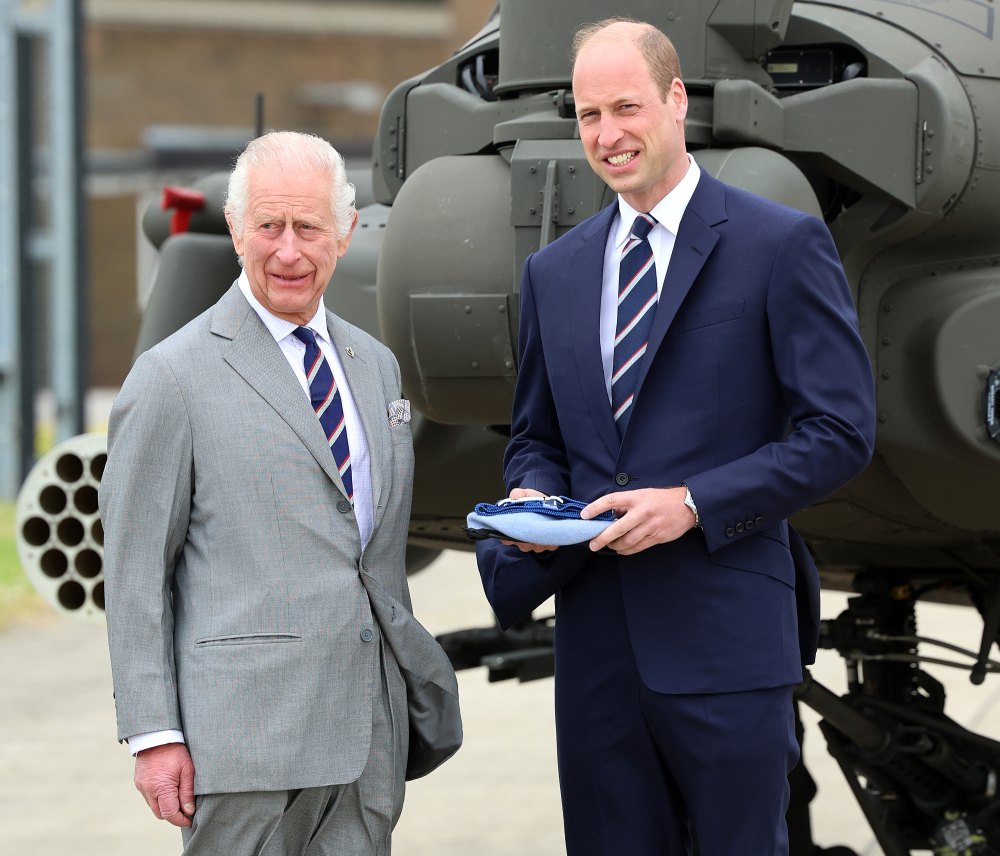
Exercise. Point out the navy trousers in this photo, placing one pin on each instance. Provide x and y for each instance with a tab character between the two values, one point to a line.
650	774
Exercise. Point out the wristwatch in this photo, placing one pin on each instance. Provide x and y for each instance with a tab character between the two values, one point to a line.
689	502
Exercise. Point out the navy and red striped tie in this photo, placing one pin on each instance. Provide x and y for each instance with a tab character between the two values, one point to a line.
328	405
637	296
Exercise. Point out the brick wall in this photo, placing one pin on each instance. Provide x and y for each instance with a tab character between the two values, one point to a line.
142	74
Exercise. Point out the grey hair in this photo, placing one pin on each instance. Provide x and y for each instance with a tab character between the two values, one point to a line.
291	151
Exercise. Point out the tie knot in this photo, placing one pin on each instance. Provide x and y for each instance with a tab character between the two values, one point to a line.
643	225
304	335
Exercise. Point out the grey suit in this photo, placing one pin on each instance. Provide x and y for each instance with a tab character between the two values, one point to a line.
241	606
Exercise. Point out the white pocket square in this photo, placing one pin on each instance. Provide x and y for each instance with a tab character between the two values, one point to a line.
399	412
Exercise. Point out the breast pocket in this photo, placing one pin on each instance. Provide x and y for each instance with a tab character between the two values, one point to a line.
710	315
401	433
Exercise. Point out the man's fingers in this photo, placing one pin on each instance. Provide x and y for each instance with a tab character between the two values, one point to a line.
186	790
602	504
628	519
164	776
150	801
602	540
170	808
632	543
630	532
614	536
171	802
646	517
522	492
161	797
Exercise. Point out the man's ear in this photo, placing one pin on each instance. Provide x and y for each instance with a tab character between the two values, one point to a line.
678	96
236	236
344	243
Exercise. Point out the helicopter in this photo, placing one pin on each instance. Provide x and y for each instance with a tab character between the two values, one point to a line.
878	116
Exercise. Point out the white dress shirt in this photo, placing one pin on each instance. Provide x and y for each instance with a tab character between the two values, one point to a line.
668	213
294	351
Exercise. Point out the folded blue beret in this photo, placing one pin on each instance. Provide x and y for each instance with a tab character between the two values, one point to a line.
536	520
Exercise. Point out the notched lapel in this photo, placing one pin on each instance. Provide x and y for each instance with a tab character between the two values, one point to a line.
365	381
587	270
696	239
256	357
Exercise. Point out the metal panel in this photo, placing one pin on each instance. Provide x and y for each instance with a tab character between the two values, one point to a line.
714	40
60	248
67	317
966	32
462	335
10	272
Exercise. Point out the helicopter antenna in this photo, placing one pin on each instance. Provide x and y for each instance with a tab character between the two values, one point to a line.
258	115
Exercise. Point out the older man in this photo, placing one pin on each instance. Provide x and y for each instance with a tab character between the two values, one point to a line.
255	506
690	358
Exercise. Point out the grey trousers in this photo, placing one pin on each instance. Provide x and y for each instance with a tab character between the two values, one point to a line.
355	819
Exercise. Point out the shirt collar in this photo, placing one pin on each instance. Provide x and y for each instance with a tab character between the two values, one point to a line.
279	327
668	211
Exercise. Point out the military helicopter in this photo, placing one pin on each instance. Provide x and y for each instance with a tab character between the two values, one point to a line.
878	116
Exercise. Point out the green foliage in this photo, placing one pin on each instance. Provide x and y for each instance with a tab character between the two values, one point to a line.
17	597
10	569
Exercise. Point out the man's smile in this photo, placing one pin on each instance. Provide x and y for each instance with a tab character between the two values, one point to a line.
288	278
620	159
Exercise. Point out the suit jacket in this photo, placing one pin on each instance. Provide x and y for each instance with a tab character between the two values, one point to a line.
239	599
756	391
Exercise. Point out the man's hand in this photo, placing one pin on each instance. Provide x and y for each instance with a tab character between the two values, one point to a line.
164	775
645	517
520	493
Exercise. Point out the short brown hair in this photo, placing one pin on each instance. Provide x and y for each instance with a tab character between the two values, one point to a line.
658	51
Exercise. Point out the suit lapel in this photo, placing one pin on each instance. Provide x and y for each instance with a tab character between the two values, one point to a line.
365	382
256	357
696	238
586	276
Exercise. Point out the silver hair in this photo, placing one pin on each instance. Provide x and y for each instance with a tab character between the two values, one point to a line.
291	151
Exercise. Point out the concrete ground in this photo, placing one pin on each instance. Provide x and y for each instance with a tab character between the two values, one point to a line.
66	786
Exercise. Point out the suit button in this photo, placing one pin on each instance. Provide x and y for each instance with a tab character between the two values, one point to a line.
750	524
343	506
758	520
740	527
622	479
367	635
730	532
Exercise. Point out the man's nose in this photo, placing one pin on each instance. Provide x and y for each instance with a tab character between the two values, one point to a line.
609	133
288	245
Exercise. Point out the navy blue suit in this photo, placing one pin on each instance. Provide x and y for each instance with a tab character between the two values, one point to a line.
756	391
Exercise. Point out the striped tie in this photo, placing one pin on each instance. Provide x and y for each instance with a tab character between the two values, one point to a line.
328	406
636	304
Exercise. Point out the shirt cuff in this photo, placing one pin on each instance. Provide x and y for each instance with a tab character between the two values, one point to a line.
149	739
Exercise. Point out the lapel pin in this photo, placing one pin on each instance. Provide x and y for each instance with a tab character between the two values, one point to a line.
350	352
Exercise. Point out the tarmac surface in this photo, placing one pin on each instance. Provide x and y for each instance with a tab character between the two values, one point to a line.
66	785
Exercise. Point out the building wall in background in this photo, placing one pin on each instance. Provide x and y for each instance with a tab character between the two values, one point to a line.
163	71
